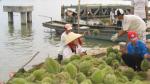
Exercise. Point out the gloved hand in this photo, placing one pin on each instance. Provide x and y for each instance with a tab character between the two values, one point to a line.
114	37
60	58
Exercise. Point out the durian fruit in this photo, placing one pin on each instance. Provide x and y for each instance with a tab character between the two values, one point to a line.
119	58
115	50
18	81
46	74
102	66
92	70
129	73
137	77
86	81
108	69
85	66
76	63
30	78
38	74
72	70
112	54
143	75
86	57
71	81
65	61
75	57
137	82
47	80
110	79
145	65
63	76
80	77
110	49
52	66
115	64
97	61
120	77
108	60
97	77
128	82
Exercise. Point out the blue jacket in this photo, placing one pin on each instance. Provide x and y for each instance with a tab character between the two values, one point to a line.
140	49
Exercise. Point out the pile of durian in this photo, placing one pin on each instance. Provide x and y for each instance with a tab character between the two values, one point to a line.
108	69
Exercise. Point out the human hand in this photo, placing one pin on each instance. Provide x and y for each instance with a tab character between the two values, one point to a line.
146	56
114	37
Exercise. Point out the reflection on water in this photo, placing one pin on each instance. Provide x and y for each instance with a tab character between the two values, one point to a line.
26	30
11	29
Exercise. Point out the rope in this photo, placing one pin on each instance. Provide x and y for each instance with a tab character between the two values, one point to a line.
30	59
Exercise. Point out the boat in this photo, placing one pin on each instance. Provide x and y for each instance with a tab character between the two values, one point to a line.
98	32
59	26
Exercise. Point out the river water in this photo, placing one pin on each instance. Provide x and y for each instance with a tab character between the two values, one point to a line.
18	43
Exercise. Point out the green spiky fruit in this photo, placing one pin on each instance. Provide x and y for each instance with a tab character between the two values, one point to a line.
47	80
70	81
97	77
52	66
120	77
30	78
86	57
63	76
137	82
86	81
115	50
80	77
145	65
72	70
112	54
110	49
38	74
85	66
143	75
92	70
18	81
110	79
75	57
115	63
107	69
109	60
130	73
65	61
75	62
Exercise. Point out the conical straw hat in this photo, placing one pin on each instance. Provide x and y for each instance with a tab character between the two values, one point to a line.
71	37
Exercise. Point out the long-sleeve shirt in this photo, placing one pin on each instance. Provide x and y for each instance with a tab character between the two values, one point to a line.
139	49
67	52
62	43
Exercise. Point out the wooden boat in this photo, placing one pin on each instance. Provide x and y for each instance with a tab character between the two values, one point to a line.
98	32
59	26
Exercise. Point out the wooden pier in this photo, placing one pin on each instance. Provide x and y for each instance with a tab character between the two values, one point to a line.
96	10
25	11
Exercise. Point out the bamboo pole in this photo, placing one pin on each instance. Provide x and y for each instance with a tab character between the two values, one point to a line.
78	16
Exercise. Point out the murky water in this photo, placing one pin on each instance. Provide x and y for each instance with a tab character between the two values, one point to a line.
18	43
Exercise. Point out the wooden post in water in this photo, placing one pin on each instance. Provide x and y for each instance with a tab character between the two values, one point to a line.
10	17
78	16
24	10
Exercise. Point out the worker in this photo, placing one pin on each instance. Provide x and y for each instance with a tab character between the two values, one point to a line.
140	8
130	23
73	45
67	30
134	52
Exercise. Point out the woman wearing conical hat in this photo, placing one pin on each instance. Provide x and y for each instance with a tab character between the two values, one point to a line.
73	45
